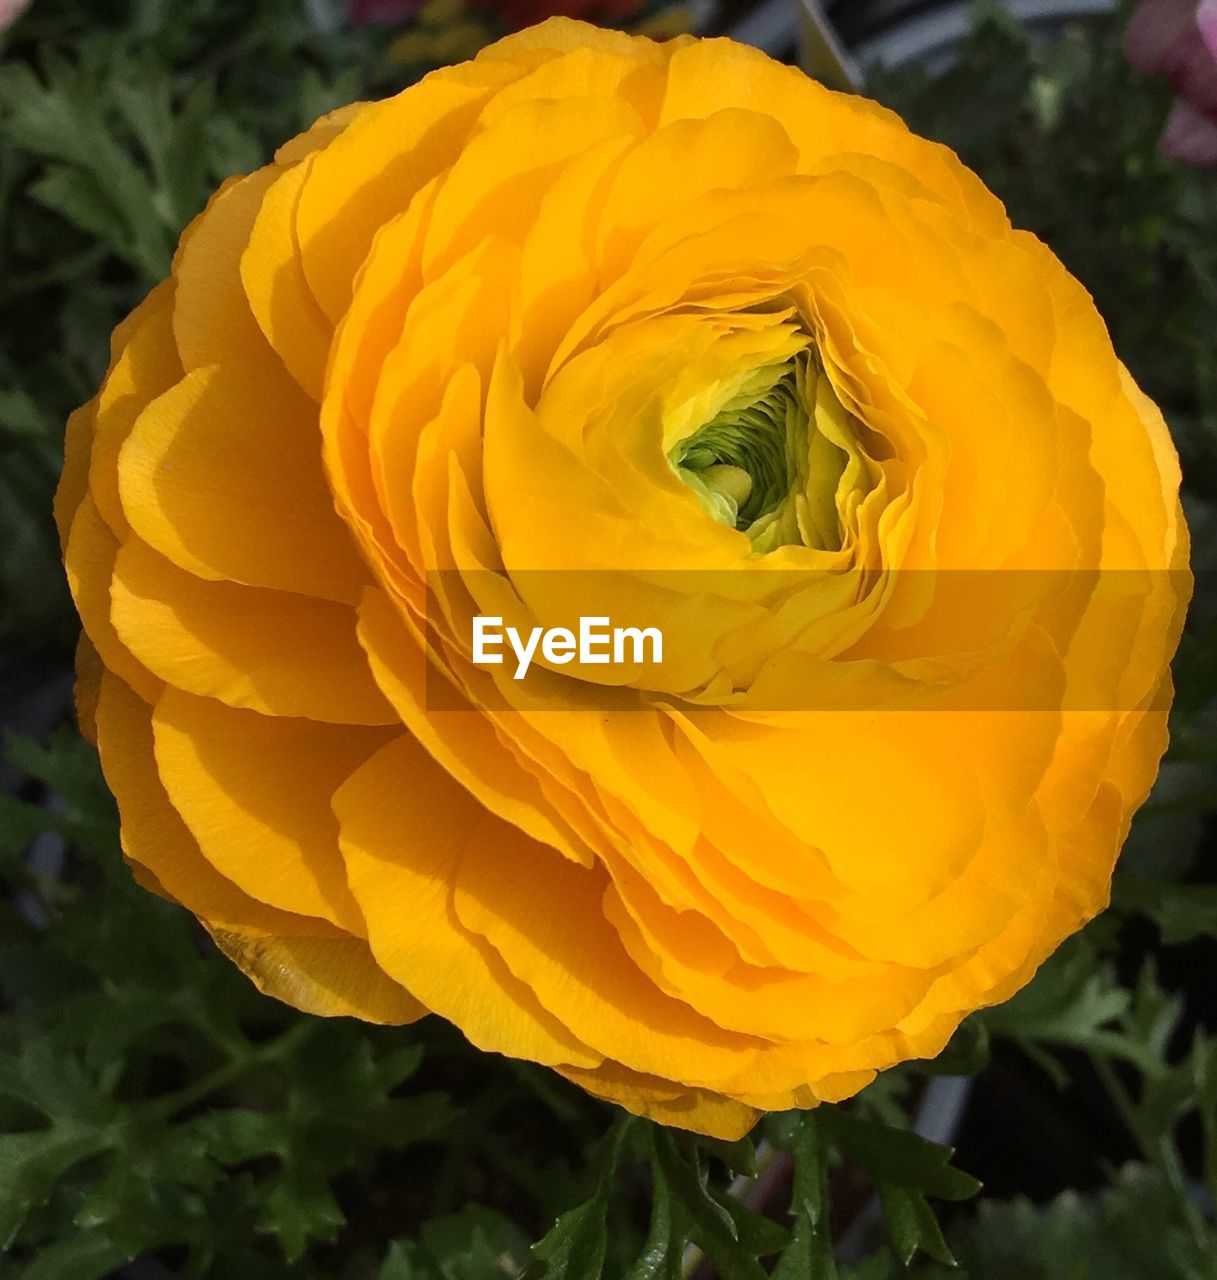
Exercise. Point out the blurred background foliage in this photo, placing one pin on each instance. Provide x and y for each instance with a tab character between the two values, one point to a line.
159	1118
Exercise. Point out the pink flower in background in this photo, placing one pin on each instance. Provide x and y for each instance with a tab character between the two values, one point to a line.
1178	39
10	11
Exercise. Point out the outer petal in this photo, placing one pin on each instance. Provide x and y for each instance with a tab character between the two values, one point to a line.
222	474
403	824
256	793
329	977
155	836
281	654
697	1109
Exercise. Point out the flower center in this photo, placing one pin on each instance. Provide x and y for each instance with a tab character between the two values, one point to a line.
770	466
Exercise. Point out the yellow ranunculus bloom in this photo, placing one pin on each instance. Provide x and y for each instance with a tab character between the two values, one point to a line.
671	334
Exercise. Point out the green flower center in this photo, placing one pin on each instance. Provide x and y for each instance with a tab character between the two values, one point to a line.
766	466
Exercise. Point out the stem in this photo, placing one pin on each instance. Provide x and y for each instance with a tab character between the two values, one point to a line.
1162	1154
165	1107
1120	1096
476	1123
821	52
63	272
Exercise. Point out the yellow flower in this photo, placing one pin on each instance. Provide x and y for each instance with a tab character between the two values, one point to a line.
667	333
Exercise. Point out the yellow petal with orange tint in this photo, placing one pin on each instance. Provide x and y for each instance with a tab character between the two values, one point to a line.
327	977
271	651
154	835
222	475
403	824
256	793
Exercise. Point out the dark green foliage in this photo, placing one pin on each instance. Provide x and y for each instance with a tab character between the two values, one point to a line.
117	121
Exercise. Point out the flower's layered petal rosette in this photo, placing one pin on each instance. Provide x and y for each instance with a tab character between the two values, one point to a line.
761	368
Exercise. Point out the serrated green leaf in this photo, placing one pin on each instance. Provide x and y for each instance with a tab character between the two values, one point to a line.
233	1135
299	1211
809	1254
739	1156
575	1246
406	1260
661	1255
898	1157
86	1256
758	1235
711	1224
911	1225
1183	912
30	1166
1133	1231
476	1244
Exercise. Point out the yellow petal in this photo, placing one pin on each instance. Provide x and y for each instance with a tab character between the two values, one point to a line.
369	174
270	651
255	792
542	914
272	275
403	824
211	316
144	367
328	977
74	479
698	1110
155	836
90	557
223	476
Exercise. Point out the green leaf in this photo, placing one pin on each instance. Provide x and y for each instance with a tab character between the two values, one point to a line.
405	1261
1133	1231
712	1225
809	1255
300	1210
236	1134
1183	912
31	1164
966	1053
1074	1001
21	416
1203	1063
897	1157
78	197
476	1244
904	1168
661	1255
758	1235
739	1157
810	1154
911	1224
575	1246
88	1256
